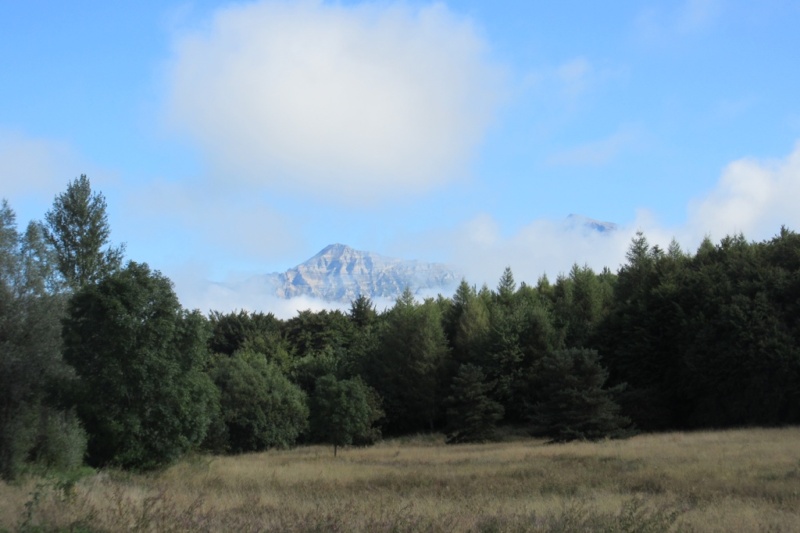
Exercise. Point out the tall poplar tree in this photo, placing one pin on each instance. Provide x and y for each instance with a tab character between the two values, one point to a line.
77	229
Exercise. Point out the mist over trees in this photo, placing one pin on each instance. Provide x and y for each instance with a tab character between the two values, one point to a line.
100	364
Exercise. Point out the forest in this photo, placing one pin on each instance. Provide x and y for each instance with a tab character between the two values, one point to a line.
101	365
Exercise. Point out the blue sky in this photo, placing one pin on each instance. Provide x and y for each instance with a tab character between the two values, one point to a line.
232	139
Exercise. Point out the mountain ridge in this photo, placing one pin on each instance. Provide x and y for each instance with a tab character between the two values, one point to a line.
340	273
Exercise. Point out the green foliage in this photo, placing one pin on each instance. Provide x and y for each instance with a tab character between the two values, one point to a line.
471	413
362	312
309	332
254	332
307	369
708	340
582	301
260	407
36	427
407	368
343	411
60	444
506	288
468	325
143	397
521	332
77	229
575	405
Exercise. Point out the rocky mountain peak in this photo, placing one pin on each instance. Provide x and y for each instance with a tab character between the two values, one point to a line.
334	250
341	273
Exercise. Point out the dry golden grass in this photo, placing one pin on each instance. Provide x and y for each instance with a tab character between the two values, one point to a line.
744	480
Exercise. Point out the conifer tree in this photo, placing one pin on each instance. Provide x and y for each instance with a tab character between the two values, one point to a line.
575	405
407	365
471	413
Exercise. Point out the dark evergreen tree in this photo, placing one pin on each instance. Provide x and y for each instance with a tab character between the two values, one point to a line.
742	364
408	365
504	355
362	312
641	337
506	288
575	404
471	326
590	301
471	414
366	323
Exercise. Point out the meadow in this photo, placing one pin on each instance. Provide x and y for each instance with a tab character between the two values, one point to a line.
737	480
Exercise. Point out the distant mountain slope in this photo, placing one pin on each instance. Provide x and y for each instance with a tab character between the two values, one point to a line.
579	221
341	274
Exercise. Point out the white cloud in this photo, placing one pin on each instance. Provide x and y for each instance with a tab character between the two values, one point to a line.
541	247
198	293
752	197
355	102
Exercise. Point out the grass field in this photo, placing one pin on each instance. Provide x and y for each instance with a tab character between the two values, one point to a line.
743	480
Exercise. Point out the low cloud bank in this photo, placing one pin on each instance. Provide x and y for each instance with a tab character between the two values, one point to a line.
752	197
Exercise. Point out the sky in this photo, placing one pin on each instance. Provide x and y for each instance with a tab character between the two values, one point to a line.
232	139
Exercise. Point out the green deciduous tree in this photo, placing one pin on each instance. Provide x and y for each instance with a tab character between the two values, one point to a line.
143	395
36	426
259	407
344	411
254	332
77	228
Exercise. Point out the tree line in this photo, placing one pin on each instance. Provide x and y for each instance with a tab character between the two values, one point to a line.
100	363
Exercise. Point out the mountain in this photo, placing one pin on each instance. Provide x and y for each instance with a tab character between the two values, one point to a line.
581	222
341	274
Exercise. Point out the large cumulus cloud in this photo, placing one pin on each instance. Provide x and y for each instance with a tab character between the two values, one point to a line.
357	102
